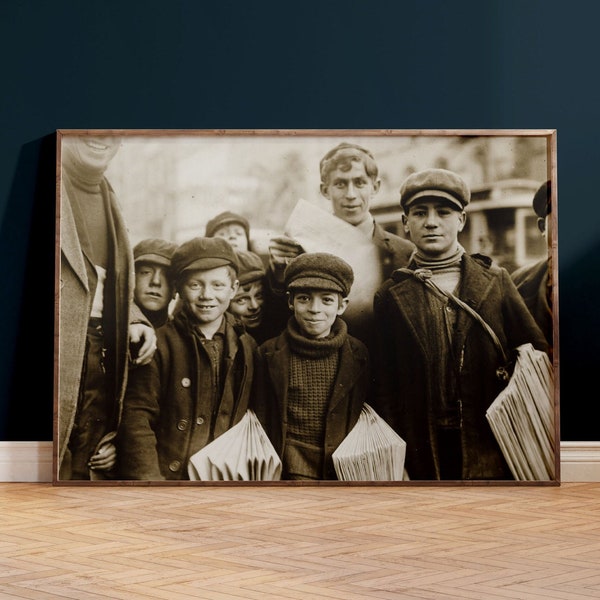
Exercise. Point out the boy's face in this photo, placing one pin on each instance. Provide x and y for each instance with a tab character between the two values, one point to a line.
235	234
350	192
207	294
248	304
315	311
152	289
433	226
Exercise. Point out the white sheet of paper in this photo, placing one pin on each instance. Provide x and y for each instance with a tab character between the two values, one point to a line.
317	230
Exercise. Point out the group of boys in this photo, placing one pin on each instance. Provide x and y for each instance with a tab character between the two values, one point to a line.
222	352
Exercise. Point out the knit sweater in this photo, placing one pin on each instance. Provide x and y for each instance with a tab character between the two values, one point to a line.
313	369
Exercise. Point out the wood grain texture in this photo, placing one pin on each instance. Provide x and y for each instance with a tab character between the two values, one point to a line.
222	543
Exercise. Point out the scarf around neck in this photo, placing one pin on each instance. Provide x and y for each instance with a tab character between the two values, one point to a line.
316	347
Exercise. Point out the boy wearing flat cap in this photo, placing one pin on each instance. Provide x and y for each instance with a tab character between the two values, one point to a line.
153	290
350	182
436	364
198	383
312	380
231	227
251	301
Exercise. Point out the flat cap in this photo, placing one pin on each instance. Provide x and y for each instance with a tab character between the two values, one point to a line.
435	183
226	218
155	251
541	200
251	267
319	271
202	254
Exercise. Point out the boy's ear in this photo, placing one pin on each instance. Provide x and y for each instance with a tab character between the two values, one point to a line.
324	187
404	222
343	306
541	223
463	221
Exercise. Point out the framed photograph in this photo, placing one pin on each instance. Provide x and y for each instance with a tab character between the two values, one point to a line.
306	307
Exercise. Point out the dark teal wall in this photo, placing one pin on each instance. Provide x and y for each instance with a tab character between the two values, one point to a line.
330	64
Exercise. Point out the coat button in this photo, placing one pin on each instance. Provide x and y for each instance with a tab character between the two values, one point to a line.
174	466
182	425
199	421
186	382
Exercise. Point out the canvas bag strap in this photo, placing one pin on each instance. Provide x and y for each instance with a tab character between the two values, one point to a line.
425	276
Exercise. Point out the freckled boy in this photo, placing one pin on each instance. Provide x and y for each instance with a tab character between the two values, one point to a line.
198	383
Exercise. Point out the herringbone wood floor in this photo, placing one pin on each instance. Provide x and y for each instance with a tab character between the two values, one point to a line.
224	543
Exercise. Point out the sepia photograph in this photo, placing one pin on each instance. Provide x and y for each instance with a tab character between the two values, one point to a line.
302	307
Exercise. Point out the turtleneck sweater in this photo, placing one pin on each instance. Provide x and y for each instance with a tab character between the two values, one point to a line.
90	211
445	271
313	368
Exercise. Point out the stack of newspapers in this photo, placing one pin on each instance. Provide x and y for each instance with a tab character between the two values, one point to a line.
242	453
372	451
522	417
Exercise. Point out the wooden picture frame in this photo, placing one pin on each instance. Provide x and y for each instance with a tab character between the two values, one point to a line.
118	187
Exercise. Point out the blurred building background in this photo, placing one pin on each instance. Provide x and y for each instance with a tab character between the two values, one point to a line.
170	185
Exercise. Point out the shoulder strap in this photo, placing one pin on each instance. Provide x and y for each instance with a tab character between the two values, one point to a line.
425	276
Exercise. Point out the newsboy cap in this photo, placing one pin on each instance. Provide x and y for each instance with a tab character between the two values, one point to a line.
155	251
202	254
319	271
251	267
541	200
226	218
435	183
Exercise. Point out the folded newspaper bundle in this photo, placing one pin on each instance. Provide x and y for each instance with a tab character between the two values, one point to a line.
372	451
522	417
242	453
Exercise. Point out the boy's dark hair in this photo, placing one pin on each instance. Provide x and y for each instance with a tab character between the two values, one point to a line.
342	157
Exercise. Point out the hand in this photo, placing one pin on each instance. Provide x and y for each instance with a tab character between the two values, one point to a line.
104	459
144	336
282	250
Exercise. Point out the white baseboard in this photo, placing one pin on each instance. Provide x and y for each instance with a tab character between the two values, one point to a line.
26	461
579	461
32	461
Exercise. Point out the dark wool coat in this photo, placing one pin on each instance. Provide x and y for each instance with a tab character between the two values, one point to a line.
164	419
270	396
394	251
406	371
532	283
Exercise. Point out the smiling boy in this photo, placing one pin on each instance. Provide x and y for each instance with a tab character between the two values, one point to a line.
350	181
312	380
198	384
